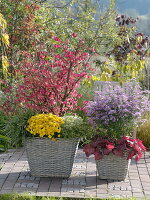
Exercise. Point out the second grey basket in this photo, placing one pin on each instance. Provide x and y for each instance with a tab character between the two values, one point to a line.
48	158
113	167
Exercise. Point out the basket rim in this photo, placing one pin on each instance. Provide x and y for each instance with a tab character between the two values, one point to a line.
46	138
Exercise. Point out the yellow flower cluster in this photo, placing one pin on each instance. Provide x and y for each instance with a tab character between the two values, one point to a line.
45	125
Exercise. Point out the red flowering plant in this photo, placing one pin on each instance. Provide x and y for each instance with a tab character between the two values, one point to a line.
48	79
114	113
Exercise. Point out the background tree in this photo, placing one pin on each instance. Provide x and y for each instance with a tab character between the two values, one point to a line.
95	25
126	60
35	22
48	79
4	43
22	28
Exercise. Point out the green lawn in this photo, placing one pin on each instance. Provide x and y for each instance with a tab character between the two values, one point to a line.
29	197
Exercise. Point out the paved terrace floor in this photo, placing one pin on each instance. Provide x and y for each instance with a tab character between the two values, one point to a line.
15	177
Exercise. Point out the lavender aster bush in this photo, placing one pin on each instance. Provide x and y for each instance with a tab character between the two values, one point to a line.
117	109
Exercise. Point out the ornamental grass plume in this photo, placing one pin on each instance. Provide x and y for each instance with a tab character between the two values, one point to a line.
116	110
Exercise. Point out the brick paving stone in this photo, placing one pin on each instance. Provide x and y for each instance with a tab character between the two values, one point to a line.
13	177
144	173
28	181
147	188
9	165
64	188
30	185
5	170
78	195
144	176
41	193
44	184
141	165
102	191
55	185
5	191
147	196
82	183
17	185
137	189
136	183
22	177
2	180
23	185
119	192
90	193
145	184
3	175
100	187
35	185
25	190
129	188
37	178
144	180
16	169
66	194
52	194
147	192
99	195
82	190
137	178
91	181
73	188
138	195
24	173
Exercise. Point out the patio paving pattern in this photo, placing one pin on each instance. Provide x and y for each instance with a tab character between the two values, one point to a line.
15	177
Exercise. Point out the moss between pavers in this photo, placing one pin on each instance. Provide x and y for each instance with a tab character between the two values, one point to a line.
29	197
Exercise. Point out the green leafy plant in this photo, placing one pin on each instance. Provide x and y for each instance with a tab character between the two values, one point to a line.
15	127
4	140
4	143
3	120
75	127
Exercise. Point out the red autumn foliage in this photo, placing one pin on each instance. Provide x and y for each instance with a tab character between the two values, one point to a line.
100	146
50	79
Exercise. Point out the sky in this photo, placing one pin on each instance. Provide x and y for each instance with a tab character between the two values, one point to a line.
135	8
141	6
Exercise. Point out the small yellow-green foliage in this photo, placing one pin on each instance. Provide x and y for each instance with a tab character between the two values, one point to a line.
4	42
29	197
45	125
143	133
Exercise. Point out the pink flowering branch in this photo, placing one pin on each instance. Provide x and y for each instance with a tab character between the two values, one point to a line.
50	78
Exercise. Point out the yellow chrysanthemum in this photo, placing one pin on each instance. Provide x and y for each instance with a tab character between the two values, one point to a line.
45	125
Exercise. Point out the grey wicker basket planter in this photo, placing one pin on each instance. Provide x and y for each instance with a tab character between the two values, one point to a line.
113	167
48	158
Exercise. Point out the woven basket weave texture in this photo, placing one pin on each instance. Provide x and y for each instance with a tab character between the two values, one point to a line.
113	167
48	158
